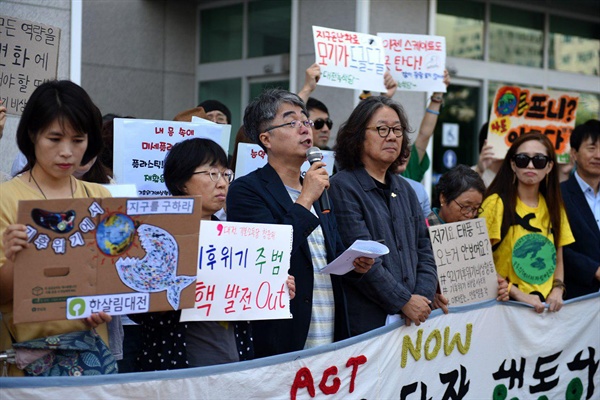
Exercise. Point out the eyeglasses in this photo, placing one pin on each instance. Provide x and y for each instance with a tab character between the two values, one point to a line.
468	211
294	124
384	130
539	161
319	122
215	174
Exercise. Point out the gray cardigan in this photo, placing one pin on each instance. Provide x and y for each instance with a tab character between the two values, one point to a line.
362	212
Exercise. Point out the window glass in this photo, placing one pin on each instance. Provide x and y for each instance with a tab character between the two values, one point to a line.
221	33
574	46
228	92
461	22
257	88
269	23
516	36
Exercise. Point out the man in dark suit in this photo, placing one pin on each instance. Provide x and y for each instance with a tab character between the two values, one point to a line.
581	195
276	194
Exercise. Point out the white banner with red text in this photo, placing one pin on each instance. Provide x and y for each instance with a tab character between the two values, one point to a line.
482	351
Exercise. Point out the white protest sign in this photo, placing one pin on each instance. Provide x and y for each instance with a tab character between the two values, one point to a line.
417	62
242	269
140	147
225	131
349	60
463	256
28	57
251	157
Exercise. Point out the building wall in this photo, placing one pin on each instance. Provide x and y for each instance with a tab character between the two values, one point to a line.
50	12
138	56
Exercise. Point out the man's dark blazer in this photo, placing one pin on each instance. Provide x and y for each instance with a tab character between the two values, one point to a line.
582	258
261	197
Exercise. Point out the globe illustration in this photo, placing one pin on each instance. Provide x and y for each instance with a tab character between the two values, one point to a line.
115	234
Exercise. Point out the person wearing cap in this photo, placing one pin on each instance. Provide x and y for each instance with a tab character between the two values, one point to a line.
216	111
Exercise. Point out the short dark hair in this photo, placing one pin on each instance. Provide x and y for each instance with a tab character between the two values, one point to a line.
216	105
589	129
351	136
457	181
64	101
263	109
184	157
314	104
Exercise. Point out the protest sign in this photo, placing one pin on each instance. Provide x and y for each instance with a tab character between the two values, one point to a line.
517	111
349	60
242	269
251	157
28	57
416	62
140	147
117	255
465	265
489	350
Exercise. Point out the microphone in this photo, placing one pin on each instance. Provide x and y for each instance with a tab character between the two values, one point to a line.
314	155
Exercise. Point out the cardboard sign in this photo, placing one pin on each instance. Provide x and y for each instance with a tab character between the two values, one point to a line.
251	157
28	57
142	251
349	60
417	62
242	269
517	111
140	147
463	255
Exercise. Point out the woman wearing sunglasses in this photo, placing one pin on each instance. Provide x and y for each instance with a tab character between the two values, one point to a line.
527	223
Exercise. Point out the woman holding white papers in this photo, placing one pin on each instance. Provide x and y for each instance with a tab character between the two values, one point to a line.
372	203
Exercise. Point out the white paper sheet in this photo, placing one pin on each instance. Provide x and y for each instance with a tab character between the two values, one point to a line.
360	248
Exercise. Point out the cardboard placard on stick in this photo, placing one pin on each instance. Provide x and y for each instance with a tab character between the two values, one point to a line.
118	255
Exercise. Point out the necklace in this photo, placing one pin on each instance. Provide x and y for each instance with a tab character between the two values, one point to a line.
42	192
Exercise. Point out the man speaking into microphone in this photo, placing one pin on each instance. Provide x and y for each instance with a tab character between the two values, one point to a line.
277	120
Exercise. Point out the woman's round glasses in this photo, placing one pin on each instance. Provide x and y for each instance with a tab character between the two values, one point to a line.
539	161
215	174
384	130
468	211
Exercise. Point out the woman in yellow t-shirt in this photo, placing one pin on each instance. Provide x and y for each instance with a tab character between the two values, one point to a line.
527	223
59	130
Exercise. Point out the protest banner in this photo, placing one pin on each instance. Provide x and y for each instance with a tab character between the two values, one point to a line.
242	269
463	256
351	60
416	62
118	255
28	57
517	111
487	350
140	147
251	157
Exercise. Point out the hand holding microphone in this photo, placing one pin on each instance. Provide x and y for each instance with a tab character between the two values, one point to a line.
314	157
